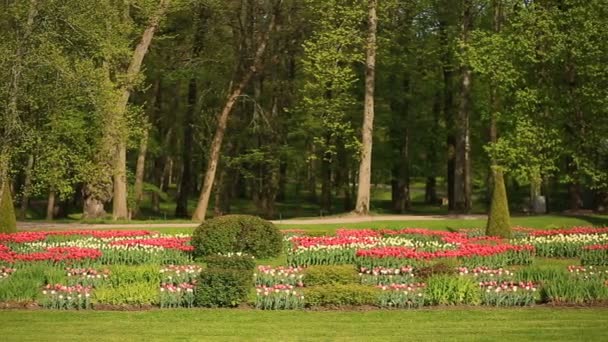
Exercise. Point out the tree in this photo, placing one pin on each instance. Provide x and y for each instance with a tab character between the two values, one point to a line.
8	223
120	209
365	166
499	223
235	92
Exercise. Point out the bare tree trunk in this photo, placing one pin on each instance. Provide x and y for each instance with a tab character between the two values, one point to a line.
222	122
462	172
50	206
365	167
430	189
27	184
120	208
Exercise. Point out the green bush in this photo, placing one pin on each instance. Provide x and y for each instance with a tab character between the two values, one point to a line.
223	287
451	290
499	222
234	262
8	222
341	294
330	275
237	233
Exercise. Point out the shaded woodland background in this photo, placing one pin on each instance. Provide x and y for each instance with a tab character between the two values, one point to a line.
461	85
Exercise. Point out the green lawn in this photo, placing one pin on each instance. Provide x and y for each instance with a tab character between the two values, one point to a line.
540	222
464	324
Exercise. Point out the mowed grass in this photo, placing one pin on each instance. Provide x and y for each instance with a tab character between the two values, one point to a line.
448	324
539	222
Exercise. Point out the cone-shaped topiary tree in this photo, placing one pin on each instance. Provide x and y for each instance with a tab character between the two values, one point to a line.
499	221
8	222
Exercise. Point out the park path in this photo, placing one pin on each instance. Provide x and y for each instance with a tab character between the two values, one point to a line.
301	221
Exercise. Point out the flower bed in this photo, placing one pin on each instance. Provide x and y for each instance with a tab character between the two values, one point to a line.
88	248
385	275
508	293
87	276
60	296
270	276
6	271
468	255
278	297
407	296
595	255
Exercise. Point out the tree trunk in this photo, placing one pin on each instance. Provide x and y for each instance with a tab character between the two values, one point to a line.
311	175
494	103
448	109
93	206
365	166
430	189
27	185
140	168
222	122
462	172
50	206
185	188
138	187
326	183
120	208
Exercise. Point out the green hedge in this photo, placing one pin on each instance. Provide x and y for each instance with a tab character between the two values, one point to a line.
330	275
223	287
341	294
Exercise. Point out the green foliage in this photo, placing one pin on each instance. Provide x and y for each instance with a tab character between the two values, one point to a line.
441	268
130	285
594	256
223	287
233	262
122	275
452	290
237	233
574	290
8	223
330	275
341	294
26	283
499	222
133	293
541	275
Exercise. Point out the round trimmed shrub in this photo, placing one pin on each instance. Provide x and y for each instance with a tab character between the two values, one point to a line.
237	233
